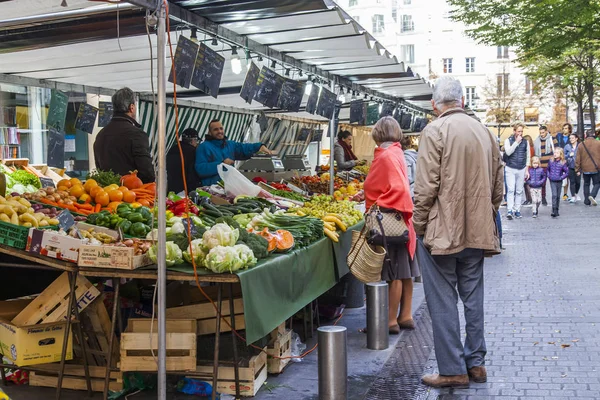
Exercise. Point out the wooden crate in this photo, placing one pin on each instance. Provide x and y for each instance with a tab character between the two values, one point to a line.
251	377
205	314
46	375
52	304
97	327
137	345
279	347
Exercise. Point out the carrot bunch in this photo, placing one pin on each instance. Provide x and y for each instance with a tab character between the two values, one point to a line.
85	209
146	194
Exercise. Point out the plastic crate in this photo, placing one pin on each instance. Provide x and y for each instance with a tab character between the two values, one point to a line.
16	236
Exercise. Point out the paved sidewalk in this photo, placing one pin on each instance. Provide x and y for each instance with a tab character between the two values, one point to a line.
542	310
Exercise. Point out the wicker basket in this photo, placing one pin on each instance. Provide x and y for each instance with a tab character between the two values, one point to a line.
365	261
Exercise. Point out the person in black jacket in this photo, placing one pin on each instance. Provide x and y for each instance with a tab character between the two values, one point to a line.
189	142
122	146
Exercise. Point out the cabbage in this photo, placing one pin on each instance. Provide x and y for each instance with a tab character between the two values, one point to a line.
246	255
198	250
220	235
223	259
174	255
176	228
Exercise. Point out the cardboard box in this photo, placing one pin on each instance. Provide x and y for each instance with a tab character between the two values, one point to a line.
33	344
111	257
52	244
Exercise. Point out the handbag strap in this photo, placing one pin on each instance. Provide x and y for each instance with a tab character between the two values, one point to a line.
591	158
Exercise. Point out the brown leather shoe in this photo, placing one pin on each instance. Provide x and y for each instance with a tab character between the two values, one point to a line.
442	381
478	374
408	324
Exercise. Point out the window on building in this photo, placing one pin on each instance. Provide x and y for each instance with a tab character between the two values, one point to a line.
407	53
395	11
353	3
378	26
447	65
531	114
530	86
407	2
470	64
503	86
502	52
470	97
408	24
356	18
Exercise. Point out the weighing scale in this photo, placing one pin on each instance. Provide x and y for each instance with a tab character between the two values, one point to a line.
268	167
296	165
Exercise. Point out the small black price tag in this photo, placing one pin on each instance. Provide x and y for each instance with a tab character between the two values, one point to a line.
47	182
188	222
65	220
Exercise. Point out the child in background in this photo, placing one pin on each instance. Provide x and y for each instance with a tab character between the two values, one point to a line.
557	171
537	180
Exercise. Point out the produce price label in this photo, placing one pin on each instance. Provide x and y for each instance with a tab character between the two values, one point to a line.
56	149
326	105
249	89
183	65
86	118
57	112
192	226
65	220
269	86
291	95
313	98
47	182
387	109
358	112
106	113
208	70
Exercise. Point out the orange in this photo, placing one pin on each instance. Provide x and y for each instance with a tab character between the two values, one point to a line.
89	184
111	187
123	189
64	182
95	190
115	195
75	181
77	190
62	188
85	198
113	205
129	197
102	198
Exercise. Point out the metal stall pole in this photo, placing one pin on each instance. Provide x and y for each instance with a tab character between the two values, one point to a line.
161	196
333	363
378	335
331	145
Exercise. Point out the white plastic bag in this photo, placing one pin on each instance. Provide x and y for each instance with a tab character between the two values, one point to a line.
236	184
297	347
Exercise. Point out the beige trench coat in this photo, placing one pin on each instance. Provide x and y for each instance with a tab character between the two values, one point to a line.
459	185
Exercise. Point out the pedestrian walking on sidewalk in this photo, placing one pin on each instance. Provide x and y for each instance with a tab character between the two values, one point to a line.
557	172
528	201
458	224
388	186
544	148
537	180
570	155
517	157
587	162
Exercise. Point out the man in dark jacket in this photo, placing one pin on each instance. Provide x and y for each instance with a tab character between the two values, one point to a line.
189	142
122	146
587	161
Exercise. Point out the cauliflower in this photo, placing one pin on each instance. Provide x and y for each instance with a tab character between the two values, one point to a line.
220	235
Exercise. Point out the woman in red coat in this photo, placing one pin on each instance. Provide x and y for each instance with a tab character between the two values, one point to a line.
387	185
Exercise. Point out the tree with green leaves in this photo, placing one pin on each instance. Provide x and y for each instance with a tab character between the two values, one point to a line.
564	34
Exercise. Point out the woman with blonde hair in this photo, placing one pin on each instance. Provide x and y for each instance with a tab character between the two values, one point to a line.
387	186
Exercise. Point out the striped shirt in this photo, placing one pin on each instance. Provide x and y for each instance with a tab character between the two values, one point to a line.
547	155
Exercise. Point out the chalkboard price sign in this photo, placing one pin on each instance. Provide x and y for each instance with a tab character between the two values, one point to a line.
313	98
249	89
372	113
358	112
291	95
208	70
185	55
326	105
317	135
387	109
304	135
47	182
57	112
86	118
65	220
56	149
106	113
192	226
269	86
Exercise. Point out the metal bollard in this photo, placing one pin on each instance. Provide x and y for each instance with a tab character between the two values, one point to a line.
378	335
333	363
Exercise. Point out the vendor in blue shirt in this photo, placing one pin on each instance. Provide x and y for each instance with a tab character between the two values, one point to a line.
216	149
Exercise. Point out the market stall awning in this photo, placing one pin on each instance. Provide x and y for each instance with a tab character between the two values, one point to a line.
81	45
